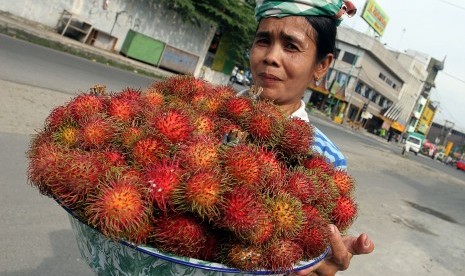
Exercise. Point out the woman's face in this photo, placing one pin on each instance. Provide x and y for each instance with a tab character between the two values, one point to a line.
283	59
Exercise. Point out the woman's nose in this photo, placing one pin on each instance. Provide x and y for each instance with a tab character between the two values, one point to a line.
272	55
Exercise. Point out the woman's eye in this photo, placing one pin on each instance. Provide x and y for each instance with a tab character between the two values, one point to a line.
292	47
262	41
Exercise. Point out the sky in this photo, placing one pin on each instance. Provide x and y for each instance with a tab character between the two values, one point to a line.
435	28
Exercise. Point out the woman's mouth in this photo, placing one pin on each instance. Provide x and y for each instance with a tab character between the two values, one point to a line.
268	78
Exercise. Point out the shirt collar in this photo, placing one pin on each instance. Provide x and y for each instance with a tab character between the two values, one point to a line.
301	113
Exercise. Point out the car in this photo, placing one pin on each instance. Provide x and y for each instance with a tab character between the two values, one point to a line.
460	165
412	144
238	76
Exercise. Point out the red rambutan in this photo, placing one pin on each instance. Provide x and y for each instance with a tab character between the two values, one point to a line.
282	255
297	137
179	234
300	185
344	213
237	108
86	106
242	164
200	153
202	193
118	209
173	124
96	133
244	257
162	178
148	150
344	182
286	212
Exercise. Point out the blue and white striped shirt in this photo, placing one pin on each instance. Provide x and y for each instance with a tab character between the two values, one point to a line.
321	143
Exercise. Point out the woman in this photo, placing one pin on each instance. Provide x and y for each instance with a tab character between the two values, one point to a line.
293	47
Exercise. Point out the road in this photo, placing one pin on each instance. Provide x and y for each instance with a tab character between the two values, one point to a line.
26	63
412	207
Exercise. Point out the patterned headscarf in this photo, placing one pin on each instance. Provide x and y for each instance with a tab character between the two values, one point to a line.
331	8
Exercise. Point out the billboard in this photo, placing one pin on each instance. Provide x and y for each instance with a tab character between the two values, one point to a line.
375	16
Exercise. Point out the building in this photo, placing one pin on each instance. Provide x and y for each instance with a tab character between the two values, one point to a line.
364	84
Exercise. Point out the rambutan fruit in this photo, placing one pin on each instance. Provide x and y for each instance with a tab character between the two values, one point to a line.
286	212
313	236
263	128
224	92
201	152
129	94
318	164
46	160
344	213
237	108
183	86
96	133
300	185
263	231
202	193
242	164
271	110
123	109
182	235
79	177
140	235
66	135
148	150
244	257
272	170
86	106
282	255
117	209
344	182
152	98
130	135
162	178
297	137
225	126
326	191
242	211
173	124
59	117
203	124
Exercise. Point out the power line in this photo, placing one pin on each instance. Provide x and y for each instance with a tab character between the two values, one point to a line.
451	4
454	77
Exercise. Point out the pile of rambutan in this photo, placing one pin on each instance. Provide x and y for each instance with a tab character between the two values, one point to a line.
192	169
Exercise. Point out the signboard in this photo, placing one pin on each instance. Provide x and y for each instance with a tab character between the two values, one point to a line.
375	16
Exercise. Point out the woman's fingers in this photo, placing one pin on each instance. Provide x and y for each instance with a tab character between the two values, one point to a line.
340	253
359	245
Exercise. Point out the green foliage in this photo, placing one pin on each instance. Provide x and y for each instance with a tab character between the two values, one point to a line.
234	18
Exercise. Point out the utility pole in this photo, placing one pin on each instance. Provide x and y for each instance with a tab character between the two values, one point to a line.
349	102
447	130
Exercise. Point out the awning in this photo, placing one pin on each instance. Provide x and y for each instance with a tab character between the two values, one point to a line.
397	126
319	89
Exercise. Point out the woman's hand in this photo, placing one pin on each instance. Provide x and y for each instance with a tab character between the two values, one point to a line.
342	250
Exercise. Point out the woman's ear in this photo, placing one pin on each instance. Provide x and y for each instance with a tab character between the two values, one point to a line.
323	66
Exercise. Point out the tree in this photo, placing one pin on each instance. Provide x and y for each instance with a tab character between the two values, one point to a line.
234	19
